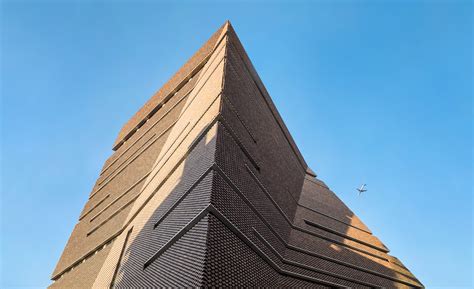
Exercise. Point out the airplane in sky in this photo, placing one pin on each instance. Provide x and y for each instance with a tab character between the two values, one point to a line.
362	189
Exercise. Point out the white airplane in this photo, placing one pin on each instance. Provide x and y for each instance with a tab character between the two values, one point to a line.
362	189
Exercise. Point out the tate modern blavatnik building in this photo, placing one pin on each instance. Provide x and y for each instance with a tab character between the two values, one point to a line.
206	187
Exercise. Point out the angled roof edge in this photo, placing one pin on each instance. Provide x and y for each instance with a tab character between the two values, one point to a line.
261	87
191	67
187	71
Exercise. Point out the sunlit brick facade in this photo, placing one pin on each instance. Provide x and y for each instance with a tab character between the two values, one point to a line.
206	187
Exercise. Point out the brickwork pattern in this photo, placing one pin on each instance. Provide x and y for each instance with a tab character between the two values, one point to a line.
206	188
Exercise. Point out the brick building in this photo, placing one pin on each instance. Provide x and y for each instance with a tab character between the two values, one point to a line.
206	187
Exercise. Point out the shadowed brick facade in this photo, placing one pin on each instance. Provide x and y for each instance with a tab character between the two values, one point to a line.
206	187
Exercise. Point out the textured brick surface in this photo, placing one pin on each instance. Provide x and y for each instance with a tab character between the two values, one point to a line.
207	188
166	91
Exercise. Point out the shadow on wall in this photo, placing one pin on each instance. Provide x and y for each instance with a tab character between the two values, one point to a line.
171	248
168	249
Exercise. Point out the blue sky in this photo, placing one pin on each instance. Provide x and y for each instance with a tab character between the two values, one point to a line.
372	91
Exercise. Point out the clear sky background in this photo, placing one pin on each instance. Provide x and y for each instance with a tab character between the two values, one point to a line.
372	91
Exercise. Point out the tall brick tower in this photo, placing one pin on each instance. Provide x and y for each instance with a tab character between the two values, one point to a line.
206	187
